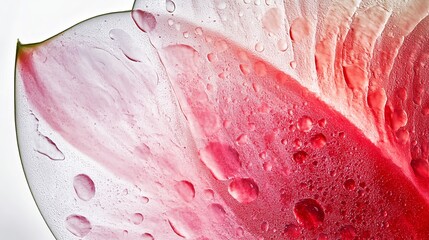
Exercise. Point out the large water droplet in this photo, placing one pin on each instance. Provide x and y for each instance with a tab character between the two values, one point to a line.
84	187
309	213
144	20
305	124
222	160
78	225
185	190
318	140
170	6
244	190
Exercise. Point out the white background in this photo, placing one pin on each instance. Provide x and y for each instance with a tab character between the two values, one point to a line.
30	21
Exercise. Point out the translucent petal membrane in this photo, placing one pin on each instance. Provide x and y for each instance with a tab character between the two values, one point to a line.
231	120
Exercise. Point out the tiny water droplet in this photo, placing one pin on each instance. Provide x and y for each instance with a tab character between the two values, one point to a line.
84	187
293	64
78	225
305	124
185	190
137	218
186	34
259	47
300	157
265	226
147	236
282	45
350	184
170	6
244	190
209	194
145	21
309	213
239	232
318	140
199	31
144	200
242	139
268	166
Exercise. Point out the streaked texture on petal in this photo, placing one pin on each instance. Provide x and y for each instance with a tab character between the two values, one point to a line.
231	120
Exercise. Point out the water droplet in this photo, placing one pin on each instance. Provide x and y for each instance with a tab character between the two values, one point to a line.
322	123
78	225
222	160
137	218
348	232
420	168
244	190
399	119
147	236
144	200
296	143
209	194
350	184
170	6
299	29
170	22
242	139
300	157
293	64
265	226
185	190
318	140
259	47
84	187
305	124
199	31
309	213
282	45
217	211
186	34
260	69
239	232
144	20
402	136
268	166
184	223
272	20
